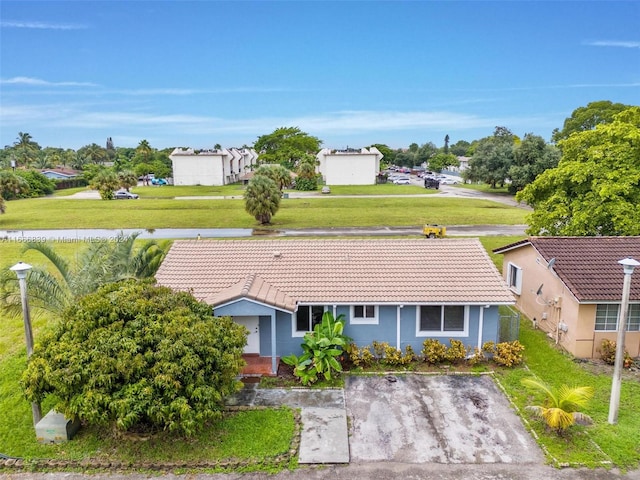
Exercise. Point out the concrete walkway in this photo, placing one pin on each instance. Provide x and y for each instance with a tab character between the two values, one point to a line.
324	437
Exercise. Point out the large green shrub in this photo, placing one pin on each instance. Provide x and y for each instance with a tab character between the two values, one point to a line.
137	356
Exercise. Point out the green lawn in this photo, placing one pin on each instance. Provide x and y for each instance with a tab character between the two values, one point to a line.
57	213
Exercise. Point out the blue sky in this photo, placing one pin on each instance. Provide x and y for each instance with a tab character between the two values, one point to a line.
198	73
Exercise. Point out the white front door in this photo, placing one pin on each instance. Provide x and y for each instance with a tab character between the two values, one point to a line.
253	339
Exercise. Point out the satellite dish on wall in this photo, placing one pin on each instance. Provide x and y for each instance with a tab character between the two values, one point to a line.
551	263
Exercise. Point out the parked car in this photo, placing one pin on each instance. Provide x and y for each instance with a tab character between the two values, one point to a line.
124	195
158	181
402	181
430	182
448	181
326	189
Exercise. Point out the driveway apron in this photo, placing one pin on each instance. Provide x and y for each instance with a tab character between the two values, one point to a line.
439	419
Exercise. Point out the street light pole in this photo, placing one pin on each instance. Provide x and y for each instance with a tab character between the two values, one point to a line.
21	270
628	265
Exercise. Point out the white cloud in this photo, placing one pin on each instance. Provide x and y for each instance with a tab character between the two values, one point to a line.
37	82
614	43
40	25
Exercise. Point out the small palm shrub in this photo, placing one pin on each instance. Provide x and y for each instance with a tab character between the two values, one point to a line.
561	408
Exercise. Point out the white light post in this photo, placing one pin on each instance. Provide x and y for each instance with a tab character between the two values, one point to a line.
628	265
21	270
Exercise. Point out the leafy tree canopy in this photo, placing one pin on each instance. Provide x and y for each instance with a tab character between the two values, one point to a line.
388	155
135	356
492	158
286	145
442	160
586	118
595	189
530	158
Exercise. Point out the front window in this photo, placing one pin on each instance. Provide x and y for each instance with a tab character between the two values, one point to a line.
447	320
307	317
607	318
364	314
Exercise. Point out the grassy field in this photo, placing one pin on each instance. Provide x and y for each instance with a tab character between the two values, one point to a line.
58	213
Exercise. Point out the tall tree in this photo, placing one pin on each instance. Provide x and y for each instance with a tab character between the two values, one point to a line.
586	118
93	153
26	150
262	198
144	150
307	177
286	146
441	161
460	148
492	158
595	189
530	158
446	144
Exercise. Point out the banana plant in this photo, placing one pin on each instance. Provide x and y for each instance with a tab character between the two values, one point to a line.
321	350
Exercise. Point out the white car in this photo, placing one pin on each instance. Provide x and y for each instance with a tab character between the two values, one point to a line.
124	195
402	181
448	181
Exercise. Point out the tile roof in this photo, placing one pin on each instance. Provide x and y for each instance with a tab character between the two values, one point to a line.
588	265
336	271
254	288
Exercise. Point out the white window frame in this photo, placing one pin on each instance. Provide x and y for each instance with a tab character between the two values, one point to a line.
363	320
632	314
443	333
294	320
515	284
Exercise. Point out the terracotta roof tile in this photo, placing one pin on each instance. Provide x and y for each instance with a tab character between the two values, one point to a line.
334	271
255	288
588	265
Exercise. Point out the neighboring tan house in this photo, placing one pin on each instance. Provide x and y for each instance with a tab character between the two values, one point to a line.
349	167
211	167
390	290
571	287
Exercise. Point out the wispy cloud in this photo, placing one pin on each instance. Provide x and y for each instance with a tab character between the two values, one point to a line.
40	25
613	43
37	82
191	91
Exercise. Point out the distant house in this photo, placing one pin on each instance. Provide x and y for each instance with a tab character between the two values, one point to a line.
349	167
60	173
279	289
211	167
571	287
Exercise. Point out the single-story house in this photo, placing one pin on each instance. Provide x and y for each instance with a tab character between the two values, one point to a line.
211	167
390	290
349	167
571	287
60	173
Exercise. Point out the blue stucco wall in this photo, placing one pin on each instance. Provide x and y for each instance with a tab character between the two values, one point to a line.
384	331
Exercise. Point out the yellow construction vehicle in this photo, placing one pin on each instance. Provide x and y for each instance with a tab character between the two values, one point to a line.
433	231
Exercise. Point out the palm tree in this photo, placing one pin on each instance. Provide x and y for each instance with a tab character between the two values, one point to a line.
102	262
262	198
560	410
277	173
94	153
25	148
106	182
127	179
144	149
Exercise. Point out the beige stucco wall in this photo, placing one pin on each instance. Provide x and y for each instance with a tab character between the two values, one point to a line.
556	310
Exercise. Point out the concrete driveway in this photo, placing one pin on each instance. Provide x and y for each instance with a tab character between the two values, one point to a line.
434	419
